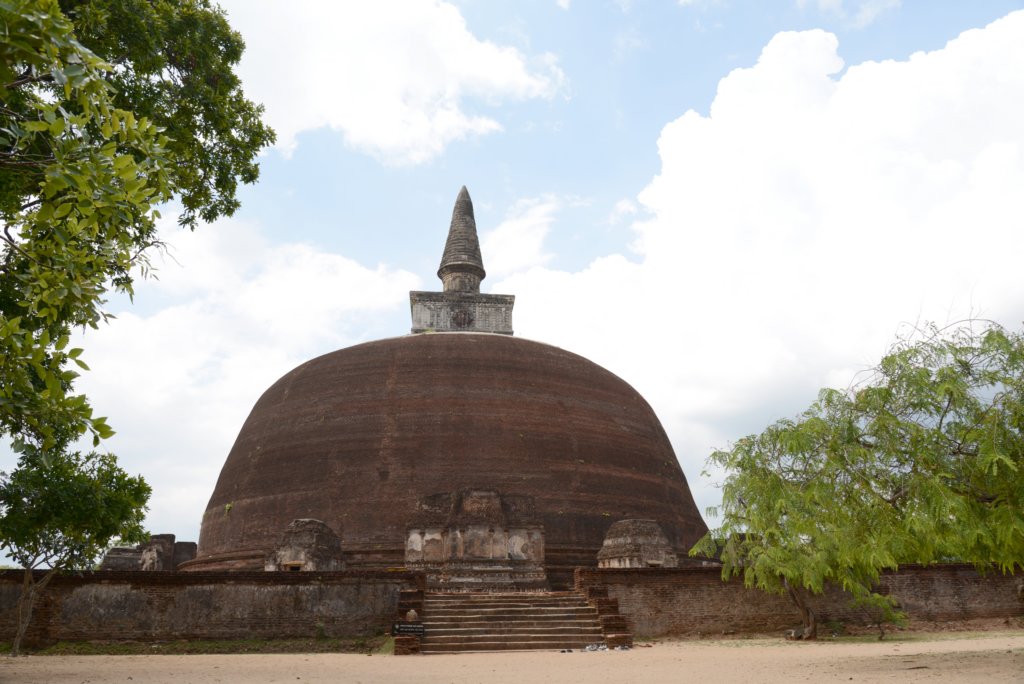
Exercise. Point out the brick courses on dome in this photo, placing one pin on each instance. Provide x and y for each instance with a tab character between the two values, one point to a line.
358	436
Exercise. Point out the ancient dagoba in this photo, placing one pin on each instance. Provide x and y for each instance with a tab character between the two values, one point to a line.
458	449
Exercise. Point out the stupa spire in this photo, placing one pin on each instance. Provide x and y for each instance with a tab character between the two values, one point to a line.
461	307
462	267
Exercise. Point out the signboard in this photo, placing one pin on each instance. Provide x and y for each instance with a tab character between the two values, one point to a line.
407	629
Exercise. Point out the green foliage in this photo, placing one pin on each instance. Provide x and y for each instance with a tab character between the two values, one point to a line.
922	463
100	121
78	180
64	513
173	64
61	513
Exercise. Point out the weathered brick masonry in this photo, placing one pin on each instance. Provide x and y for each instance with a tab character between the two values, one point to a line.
155	606
145	606
691	600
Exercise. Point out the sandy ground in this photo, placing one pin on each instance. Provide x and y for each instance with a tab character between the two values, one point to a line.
938	658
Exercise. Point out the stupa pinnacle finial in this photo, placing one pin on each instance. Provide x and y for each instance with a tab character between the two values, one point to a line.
462	267
461	307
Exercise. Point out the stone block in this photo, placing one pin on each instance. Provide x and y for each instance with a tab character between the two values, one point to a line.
407	645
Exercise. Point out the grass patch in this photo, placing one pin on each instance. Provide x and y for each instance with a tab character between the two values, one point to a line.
386	648
372	644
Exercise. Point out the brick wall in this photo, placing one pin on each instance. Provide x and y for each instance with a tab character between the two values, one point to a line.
694	600
655	601
158	606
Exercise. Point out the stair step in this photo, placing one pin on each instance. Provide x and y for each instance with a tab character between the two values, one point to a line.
523	636
542	594
510	612
433	625
532	629
518	608
481	622
486	646
509	599
498	625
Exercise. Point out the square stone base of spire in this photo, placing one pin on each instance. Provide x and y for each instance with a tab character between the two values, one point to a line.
461	312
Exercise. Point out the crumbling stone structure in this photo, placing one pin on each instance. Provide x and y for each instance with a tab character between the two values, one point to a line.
477	538
636	544
160	553
306	544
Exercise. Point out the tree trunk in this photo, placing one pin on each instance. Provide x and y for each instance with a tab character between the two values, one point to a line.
30	591
806	612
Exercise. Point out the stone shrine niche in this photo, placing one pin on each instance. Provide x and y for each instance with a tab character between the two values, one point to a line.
477	538
306	544
636	544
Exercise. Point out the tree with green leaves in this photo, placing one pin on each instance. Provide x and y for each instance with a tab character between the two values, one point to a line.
105	112
922	462
173	64
64	515
78	182
108	108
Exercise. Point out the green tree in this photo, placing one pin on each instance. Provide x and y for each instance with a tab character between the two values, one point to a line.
62	514
174	65
78	180
921	463
84	163
106	112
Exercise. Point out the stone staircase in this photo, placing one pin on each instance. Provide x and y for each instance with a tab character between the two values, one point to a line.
519	621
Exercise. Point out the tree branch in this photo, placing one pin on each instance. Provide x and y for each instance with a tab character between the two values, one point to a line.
26	79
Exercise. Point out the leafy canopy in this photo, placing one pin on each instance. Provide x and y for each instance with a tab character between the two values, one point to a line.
101	120
923	462
78	181
173	63
63	515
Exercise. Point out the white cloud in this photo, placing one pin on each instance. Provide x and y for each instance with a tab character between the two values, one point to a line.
626	42
622	210
794	227
564	4
238	313
517	244
869	10
394	77
863	13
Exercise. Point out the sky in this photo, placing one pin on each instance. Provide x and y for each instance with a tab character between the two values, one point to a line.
729	204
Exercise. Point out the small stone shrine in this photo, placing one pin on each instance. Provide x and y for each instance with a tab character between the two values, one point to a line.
306	544
636	544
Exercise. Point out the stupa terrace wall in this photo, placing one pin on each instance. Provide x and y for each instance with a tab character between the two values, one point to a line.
657	602
692	601
160	606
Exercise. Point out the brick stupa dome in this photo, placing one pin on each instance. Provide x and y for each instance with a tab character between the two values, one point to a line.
359	437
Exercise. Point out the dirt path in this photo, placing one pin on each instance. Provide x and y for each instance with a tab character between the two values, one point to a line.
995	658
